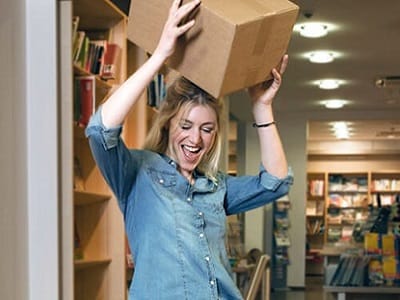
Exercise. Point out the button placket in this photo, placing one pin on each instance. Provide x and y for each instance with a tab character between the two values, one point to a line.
207	257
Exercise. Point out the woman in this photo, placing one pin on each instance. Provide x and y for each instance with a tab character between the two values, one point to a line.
173	198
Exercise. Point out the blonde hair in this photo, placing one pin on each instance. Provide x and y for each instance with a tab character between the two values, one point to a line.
184	95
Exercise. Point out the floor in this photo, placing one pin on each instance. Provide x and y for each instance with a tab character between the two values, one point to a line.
312	291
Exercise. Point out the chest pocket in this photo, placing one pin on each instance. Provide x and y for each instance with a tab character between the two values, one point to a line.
163	182
161	178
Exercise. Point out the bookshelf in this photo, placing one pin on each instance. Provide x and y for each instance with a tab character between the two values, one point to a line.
99	239
232	148
386	185
338	202
315	219
281	243
346	198
347	202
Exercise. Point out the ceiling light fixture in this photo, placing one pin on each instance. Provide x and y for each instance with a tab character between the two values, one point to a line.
328	84
334	103
312	29
341	130
321	57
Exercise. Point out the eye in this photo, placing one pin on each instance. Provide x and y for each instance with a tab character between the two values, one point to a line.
185	125
207	129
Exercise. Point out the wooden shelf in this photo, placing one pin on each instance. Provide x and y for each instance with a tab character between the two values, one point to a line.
97	14
86	198
386	192
348	192
90	263
102	87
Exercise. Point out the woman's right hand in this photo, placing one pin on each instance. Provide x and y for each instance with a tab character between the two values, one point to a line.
173	27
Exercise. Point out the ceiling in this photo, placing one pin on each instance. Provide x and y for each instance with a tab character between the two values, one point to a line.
366	35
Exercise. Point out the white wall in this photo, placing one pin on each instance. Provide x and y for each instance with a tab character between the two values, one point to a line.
258	222
249	163
13	180
28	157
293	131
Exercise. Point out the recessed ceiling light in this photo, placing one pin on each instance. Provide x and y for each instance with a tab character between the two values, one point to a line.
321	57
341	130
312	29
328	84
334	103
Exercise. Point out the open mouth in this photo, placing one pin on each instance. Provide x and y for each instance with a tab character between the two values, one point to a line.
191	153
194	150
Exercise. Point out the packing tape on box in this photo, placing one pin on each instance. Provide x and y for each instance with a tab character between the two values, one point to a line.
263	33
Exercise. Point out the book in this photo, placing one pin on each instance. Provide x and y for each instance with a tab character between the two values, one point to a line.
77	45
100	48
282	239
156	90
82	57
111	60
316	187
85	94
75	24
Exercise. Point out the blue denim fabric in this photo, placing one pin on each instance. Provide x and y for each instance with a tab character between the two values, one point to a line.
176	231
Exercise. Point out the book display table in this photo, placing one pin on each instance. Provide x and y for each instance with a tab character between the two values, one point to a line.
368	292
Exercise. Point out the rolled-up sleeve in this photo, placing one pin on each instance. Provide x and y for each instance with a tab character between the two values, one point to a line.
112	157
249	192
109	136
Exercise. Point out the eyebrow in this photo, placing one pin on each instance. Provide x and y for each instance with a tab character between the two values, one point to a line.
206	123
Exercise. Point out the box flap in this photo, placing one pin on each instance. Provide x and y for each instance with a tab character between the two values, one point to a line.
242	11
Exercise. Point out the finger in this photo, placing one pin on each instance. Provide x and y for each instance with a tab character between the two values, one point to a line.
186	12
277	77
284	64
174	6
185	27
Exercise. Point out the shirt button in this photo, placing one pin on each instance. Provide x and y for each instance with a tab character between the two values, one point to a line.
189	199
212	282
161	181
201	235
200	214
207	258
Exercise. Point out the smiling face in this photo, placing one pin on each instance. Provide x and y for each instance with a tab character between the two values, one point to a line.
191	136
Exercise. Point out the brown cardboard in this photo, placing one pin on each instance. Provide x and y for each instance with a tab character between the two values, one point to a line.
234	43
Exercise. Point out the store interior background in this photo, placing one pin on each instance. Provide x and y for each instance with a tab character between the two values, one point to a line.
366	34
365	37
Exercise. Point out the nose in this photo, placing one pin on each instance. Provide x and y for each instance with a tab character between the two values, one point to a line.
195	136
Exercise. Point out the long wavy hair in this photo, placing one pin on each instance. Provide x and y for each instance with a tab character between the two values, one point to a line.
184	95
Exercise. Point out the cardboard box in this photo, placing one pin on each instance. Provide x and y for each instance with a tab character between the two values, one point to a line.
233	45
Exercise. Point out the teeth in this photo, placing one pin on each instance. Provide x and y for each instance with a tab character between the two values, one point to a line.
192	149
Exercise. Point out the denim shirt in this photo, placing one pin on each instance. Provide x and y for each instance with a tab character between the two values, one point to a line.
176	231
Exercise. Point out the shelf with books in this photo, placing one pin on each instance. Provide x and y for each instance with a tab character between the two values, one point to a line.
101	84
347	202
386	186
99	65
315	221
315	204
232	148
281	243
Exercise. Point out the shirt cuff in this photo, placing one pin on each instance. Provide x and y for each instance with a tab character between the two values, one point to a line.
271	182
110	136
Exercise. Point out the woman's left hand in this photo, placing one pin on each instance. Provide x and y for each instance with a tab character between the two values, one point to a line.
264	92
